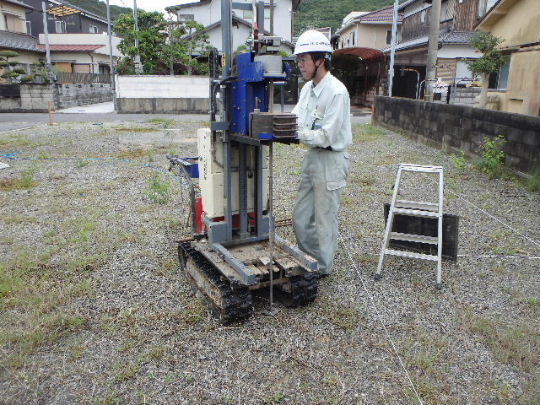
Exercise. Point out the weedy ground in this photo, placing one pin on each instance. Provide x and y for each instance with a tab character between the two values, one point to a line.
94	310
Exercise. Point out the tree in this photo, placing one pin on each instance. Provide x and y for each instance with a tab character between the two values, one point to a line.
162	44
491	61
9	71
185	40
151	37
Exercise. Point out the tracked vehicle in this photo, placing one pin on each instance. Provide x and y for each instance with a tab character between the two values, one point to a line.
234	249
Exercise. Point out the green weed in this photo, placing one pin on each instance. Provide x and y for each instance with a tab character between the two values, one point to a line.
136	129
517	345
24	182
82	163
367	133
460	161
493	156
166	122
159	190
533	183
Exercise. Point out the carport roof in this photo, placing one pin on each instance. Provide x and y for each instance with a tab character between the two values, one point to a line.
367	54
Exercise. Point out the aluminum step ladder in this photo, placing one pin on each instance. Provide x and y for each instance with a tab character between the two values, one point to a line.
416	209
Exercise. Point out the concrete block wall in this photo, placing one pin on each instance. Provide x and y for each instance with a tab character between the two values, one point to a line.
8	104
36	97
460	127
162	105
72	95
162	94
466	95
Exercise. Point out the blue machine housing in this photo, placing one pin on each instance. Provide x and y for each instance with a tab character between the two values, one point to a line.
249	91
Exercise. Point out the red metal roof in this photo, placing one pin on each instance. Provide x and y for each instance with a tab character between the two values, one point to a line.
72	48
367	54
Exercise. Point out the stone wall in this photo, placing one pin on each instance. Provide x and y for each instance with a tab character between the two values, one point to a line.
73	95
36	97
463	128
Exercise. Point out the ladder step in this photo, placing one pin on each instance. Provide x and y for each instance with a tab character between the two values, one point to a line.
432	240
420	205
411	255
421	169
416	213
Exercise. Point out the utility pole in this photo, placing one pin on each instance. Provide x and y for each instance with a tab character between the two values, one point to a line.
138	67
433	46
46	32
110	48
271	17
393	48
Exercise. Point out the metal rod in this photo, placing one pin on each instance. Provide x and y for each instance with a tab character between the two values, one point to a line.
226	36
271	231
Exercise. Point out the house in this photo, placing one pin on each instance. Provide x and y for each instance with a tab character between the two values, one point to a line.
15	37
366	29
517	84
63	18
81	53
78	40
456	28
358	58
208	13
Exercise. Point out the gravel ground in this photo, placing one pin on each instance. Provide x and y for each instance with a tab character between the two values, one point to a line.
95	311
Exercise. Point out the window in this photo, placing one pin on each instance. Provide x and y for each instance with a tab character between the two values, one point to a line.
353	38
423	16
93	29
60	27
247	15
186	17
29	27
388	37
499	80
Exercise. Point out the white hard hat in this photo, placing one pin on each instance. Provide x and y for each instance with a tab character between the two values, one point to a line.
312	41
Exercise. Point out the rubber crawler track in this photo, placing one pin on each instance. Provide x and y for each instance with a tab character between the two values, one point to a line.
236	298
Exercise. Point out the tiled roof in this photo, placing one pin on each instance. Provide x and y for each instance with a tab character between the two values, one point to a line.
19	41
382	15
71	48
19	3
457	37
188	5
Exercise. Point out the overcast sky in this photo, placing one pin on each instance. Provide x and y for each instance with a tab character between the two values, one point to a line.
150	5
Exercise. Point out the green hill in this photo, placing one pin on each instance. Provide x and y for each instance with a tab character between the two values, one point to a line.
325	13
100	8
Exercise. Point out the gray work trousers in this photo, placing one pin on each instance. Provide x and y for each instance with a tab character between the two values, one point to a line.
315	216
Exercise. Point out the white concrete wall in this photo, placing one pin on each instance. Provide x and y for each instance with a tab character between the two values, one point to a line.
147	86
458	52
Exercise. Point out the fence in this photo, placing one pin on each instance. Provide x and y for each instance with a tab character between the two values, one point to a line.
85	78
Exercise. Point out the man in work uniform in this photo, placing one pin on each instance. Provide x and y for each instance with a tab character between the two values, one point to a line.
324	125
